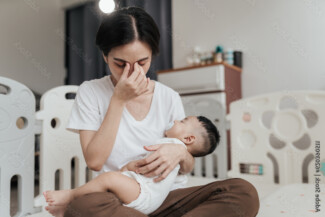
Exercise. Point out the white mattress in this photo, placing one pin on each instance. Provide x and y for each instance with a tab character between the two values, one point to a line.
294	200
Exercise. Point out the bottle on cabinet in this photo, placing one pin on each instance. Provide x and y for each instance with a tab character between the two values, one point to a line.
201	57
218	57
229	56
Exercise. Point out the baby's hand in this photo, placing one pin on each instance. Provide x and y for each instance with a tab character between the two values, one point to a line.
131	166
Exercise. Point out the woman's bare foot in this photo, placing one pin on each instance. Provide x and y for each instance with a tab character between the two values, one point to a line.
57	211
58	198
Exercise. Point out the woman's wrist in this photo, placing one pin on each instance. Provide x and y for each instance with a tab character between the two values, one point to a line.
115	99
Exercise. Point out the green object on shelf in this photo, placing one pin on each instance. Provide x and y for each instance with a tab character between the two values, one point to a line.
219	49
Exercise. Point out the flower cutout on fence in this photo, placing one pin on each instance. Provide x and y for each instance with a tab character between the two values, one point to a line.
289	124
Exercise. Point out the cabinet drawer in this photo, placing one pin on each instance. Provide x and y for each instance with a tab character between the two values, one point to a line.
210	78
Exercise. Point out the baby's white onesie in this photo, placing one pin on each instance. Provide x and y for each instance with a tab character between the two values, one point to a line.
153	194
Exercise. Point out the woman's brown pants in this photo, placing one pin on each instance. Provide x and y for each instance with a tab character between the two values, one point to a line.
227	198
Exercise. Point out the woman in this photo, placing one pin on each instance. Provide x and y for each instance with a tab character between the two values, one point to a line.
118	116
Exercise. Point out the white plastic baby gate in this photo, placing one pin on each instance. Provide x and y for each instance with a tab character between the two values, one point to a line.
276	138
17	118
58	145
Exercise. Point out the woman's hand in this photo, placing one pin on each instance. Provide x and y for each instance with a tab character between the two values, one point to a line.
162	161
130	87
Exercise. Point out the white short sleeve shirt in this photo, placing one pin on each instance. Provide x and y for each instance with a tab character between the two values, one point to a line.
90	107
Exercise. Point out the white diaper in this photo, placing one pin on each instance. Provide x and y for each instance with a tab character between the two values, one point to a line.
152	194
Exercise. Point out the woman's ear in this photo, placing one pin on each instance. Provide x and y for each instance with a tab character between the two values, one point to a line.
105	58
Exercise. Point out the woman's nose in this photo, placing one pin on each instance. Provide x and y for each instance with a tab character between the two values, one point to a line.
131	68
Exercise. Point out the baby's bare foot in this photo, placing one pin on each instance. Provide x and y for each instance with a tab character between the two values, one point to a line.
57	211
58	198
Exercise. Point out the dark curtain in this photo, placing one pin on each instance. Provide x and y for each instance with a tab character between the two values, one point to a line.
84	61
83	58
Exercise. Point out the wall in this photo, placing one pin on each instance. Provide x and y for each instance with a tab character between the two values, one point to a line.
31	43
282	41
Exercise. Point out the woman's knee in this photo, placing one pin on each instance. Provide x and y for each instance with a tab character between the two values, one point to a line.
90	204
246	202
250	195
242	182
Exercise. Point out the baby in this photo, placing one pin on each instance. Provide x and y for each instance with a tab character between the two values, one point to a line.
197	134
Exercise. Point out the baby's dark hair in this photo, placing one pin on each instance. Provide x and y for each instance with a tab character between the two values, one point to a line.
211	137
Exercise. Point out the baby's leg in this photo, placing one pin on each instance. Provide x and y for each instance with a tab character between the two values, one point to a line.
125	188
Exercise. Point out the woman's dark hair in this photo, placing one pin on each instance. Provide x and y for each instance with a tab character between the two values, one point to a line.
126	25
211	137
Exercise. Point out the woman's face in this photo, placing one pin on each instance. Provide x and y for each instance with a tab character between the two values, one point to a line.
134	52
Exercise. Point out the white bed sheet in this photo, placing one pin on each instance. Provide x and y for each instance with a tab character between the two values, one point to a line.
294	200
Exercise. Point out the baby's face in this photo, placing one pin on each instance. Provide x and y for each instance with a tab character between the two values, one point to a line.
183	128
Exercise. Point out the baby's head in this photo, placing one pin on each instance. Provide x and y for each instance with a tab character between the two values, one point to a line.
199	134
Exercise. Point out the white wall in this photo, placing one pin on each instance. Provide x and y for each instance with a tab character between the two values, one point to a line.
283	41
31	43
73	3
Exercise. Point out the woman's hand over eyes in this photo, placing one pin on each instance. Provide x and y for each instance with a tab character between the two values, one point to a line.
130	87
162	161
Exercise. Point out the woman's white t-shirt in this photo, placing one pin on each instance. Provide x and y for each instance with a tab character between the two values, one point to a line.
91	104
